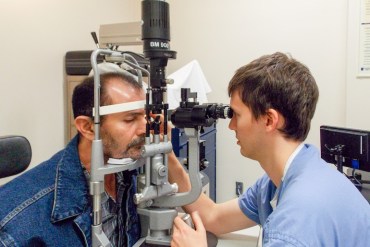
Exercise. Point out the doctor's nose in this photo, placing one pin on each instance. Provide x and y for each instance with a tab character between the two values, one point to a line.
232	123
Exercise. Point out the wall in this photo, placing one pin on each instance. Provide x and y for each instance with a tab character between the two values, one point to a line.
224	35
221	35
35	35
357	90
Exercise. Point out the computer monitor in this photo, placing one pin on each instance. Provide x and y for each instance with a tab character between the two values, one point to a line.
352	144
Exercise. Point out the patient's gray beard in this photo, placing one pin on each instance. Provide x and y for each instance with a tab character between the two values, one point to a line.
136	142
132	150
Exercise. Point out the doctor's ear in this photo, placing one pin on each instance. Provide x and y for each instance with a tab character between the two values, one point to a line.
85	127
273	119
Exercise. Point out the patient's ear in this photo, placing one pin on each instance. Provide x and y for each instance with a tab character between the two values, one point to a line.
85	127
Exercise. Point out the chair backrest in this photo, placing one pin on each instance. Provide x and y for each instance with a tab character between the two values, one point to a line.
15	155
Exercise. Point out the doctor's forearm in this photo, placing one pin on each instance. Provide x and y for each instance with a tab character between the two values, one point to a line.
177	174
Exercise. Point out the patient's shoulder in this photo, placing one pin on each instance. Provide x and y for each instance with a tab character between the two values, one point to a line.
28	188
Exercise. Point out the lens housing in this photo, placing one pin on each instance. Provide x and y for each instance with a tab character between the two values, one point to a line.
200	115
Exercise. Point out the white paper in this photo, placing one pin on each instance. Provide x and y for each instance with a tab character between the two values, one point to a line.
123	161
189	76
364	44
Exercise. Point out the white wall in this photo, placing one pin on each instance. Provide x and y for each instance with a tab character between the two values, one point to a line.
224	35
35	35
358	89
221	35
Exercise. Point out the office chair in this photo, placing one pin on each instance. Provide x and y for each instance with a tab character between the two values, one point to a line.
15	155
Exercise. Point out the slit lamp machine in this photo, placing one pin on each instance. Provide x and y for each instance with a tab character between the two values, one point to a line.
156	198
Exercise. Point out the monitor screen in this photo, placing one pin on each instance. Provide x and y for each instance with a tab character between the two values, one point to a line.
354	146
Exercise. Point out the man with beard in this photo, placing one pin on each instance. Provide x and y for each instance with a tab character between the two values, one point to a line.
50	204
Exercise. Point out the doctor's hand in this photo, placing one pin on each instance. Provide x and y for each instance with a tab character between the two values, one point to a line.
185	236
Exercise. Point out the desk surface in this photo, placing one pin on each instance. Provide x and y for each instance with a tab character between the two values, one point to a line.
243	238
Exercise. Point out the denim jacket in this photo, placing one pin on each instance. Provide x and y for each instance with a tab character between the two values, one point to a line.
49	205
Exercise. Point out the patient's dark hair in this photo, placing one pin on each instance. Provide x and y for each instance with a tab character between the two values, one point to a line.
282	83
83	94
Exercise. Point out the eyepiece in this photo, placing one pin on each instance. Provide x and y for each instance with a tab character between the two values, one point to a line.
219	111
200	115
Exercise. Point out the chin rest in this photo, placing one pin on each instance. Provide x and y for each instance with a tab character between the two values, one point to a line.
15	155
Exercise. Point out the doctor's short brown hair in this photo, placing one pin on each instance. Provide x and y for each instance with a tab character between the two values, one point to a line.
280	82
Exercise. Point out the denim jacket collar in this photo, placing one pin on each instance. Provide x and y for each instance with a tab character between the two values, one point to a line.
71	196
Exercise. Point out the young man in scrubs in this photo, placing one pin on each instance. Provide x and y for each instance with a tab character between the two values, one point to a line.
301	200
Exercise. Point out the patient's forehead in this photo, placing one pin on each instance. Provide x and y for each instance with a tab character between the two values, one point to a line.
121	91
